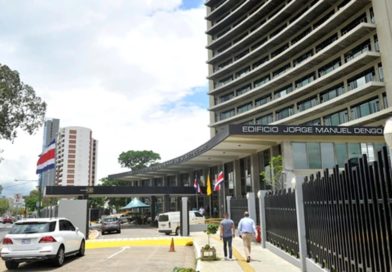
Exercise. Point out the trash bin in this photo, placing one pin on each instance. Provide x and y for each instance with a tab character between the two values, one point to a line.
258	229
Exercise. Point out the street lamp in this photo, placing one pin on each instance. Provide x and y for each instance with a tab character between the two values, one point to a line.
388	135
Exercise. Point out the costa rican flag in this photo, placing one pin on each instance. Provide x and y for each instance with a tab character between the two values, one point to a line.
219	181
46	159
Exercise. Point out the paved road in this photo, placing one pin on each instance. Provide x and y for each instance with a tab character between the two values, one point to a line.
140	258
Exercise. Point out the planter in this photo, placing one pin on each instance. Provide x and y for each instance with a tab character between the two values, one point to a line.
208	253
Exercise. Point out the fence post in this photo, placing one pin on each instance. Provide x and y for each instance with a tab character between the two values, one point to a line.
263	223
228	205
251	205
301	222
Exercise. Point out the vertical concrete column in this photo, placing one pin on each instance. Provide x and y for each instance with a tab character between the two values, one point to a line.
263	222
383	16
251	205
228	205
299	202
178	200
184	216
255	172
288	163
237	178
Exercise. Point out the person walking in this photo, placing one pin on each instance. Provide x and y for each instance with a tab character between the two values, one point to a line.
246	230
227	232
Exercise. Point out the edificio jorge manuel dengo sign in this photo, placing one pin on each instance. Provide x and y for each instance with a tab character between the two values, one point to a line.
306	130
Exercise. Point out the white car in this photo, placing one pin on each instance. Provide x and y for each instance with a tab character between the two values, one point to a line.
42	239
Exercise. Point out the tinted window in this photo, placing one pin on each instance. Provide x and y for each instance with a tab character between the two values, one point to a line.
197	214
110	219
66	226
163	218
32	227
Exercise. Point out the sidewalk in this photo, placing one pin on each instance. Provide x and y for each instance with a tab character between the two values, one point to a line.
261	259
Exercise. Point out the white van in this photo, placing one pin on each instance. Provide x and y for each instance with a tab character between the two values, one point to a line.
169	222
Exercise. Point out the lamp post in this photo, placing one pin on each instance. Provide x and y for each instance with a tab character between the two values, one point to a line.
388	135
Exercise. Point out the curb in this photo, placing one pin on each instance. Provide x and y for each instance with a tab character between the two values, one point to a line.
107	243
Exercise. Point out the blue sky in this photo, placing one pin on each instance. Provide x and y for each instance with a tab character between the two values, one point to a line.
132	71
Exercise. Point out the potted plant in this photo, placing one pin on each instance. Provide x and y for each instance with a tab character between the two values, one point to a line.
208	253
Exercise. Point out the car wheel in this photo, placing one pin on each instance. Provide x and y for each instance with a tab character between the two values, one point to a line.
59	259
82	248
11	264
119	231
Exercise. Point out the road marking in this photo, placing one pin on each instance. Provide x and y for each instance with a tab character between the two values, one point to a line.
103	243
118	252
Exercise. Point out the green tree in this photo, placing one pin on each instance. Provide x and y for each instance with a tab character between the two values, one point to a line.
4	205
135	160
272	175
20	108
116	202
31	200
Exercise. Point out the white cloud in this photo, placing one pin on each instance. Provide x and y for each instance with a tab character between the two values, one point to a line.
121	68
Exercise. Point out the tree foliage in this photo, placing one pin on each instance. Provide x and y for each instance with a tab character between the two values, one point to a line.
20	108
4	205
273	173
135	160
31	200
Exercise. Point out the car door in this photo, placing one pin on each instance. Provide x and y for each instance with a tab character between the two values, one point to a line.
67	236
74	235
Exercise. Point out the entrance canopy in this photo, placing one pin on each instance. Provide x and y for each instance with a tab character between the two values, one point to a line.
239	141
134	204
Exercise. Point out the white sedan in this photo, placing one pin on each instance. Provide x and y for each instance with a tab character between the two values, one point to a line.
42	239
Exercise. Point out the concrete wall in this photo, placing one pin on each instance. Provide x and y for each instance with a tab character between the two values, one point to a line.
76	211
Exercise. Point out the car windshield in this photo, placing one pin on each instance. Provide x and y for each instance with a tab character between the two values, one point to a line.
110	219
32	227
197	214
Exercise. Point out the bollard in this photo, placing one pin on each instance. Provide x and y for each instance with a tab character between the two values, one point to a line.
172	246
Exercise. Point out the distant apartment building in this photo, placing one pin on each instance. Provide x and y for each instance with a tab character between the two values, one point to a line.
51	128
76	157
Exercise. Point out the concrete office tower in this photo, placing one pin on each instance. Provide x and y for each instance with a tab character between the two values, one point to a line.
316	63
76	157
51	128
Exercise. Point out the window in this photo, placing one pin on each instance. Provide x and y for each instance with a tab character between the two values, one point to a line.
315	122
307	104
341	154
356	51
371	13
284	91
329	67
281	70
262	101
376	44
258	44
299	156
227	114
323	19
279	50
326	42
242	72
365	108
261	81
314	155
243	89
361	79
242	54
279	29
226	97
65	225
245	107
302	57
260	62
331	93
32	227
223	81
222	65
265	120
354	23
385	100
336	118
380	72
302	35
327	155
305	80
283	113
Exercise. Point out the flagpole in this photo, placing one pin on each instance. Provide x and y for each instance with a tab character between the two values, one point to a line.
224	190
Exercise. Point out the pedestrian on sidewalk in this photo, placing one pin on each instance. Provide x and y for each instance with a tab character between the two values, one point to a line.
246	230
227	232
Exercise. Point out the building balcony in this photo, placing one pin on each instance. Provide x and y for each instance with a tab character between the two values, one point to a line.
343	99
239	11
243	26
307	65
225	7
318	83
299	25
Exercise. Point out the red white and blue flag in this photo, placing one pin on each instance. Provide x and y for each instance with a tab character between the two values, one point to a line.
46	159
219	181
196	185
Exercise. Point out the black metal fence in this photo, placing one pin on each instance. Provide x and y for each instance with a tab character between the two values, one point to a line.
281	221
238	207
348	216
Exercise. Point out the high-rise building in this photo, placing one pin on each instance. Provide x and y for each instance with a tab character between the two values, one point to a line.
76	157
299	62
51	128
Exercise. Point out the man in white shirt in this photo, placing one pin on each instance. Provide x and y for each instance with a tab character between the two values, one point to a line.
246	231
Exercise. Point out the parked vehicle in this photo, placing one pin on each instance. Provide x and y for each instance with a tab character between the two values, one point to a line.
169	222
110	223
8	219
42	239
